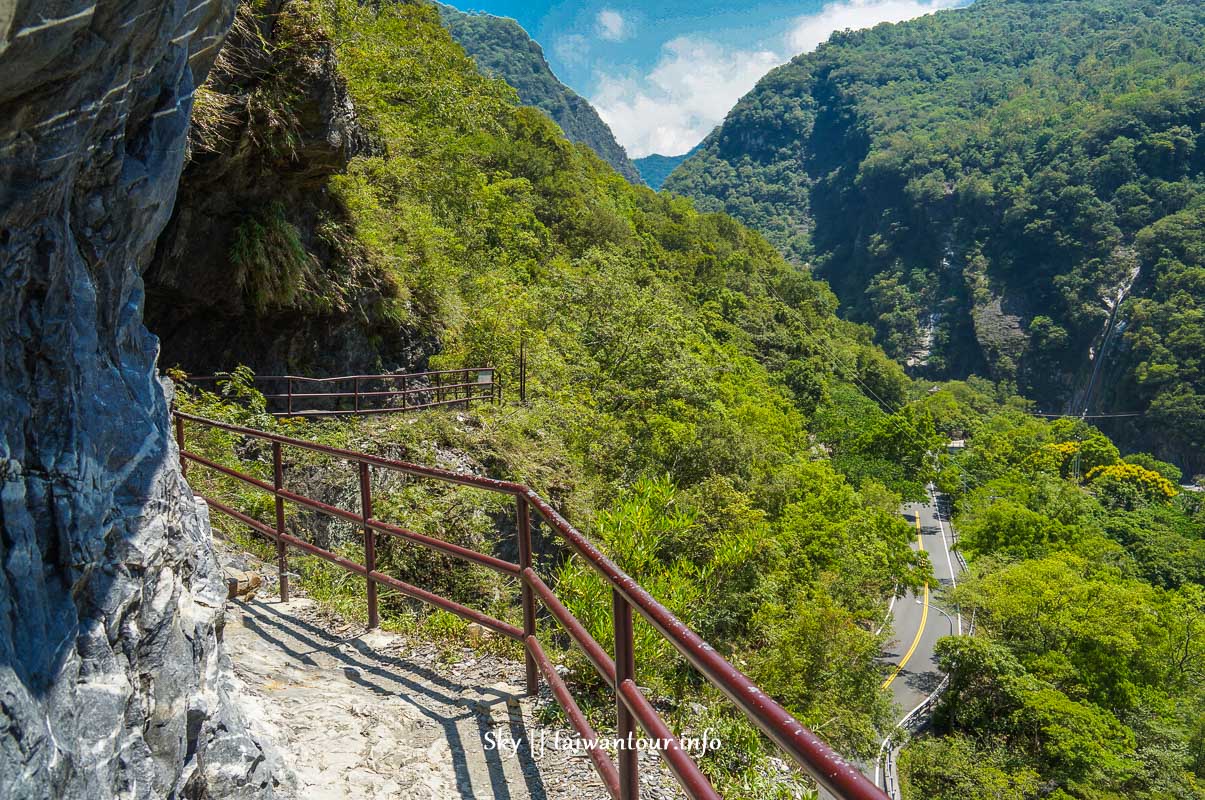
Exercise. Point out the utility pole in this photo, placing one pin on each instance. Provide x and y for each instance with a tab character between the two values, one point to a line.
1076	463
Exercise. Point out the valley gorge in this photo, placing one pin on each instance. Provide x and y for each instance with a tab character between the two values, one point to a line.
786	395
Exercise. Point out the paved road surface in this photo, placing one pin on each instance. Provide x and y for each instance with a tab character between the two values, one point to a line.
919	619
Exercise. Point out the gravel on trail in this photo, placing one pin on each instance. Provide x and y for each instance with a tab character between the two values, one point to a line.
375	716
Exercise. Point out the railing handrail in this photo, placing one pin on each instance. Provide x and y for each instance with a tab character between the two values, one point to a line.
382	375
394	393
825	765
430	383
418	470
829	769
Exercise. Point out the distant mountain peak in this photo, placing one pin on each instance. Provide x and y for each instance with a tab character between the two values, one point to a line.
656	168
501	47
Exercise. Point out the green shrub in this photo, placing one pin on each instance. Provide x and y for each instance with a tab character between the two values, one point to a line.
271	264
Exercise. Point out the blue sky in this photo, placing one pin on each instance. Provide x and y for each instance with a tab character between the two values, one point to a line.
663	74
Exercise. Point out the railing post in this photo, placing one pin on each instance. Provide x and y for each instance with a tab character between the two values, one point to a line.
523	370
523	515
289	392
180	446
357	391
625	669
370	545
405	394
282	555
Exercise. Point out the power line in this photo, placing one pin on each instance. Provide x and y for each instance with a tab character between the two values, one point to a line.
1088	416
853	370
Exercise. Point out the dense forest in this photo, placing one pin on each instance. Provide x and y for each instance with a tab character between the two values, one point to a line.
500	47
986	186
655	169
1086	674
697	406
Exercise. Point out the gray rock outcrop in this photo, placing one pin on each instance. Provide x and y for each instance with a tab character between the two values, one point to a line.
112	683
274	123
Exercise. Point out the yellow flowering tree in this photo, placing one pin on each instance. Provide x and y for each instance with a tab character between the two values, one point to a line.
1129	486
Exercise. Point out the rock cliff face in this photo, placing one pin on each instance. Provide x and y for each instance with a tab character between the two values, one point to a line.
258	265
111	678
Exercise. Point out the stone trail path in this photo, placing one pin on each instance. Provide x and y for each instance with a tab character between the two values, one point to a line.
371	716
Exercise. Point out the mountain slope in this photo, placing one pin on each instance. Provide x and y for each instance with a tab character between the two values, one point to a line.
983	185
501	47
655	169
678	366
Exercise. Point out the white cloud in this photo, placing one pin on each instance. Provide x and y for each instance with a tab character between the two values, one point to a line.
692	87
612	25
809	32
573	49
696	81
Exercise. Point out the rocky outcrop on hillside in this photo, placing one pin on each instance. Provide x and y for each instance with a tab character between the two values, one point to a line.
256	242
884	162
112	683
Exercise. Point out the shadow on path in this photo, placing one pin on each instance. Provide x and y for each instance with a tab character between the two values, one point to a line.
463	710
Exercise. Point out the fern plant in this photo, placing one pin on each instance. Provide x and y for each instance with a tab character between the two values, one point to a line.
271	264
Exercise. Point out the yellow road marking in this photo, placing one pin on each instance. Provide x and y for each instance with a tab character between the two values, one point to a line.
924	616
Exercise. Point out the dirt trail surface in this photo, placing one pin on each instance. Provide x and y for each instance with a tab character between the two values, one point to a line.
373	716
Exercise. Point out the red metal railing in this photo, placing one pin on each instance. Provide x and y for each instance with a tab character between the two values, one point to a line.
838	776
300	396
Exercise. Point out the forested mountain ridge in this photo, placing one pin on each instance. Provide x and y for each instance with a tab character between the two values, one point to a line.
982	185
694	404
655	169
501	47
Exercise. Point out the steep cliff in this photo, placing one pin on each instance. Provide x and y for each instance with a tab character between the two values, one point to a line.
500	47
111	679
258	264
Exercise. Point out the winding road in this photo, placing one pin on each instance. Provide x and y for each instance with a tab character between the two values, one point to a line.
918	621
